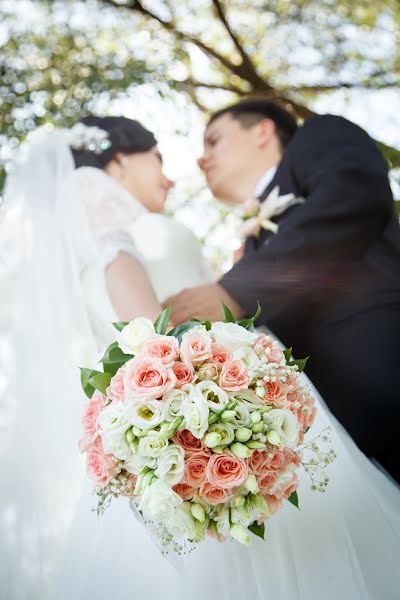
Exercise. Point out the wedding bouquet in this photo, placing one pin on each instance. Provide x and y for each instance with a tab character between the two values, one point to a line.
200	426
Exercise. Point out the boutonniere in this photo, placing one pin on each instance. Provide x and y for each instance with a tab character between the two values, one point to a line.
257	215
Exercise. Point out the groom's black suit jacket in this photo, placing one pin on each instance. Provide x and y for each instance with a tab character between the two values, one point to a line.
329	280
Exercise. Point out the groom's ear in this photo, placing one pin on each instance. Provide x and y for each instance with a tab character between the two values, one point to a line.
265	132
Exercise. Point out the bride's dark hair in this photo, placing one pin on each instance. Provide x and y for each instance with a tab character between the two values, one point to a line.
126	136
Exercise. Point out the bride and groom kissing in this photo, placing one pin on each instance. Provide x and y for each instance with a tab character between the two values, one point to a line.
324	269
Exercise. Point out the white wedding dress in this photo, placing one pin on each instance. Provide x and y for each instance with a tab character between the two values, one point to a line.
343	544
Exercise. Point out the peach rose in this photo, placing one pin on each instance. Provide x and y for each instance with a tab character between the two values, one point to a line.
234	376
195	470
116	390
184	374
190	444
276	394
100	466
226	471
220	354
266	479
185	491
196	347
90	420
213	494
276	460
165	348
208	370
291	457
147	377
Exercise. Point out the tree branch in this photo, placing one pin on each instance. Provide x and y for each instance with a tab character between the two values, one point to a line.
136	6
249	71
213	86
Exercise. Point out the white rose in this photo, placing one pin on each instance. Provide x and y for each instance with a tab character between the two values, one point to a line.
173	403
248	356
286	426
180	524
158	500
152	445
209	392
146	414
196	412
133	335
171	464
232	336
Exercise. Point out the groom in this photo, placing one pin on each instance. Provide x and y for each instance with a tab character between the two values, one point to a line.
326	271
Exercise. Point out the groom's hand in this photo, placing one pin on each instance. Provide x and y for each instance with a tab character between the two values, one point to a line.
202	302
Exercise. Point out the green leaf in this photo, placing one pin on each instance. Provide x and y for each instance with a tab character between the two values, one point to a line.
179	330
258	530
94	380
207	325
294	499
119	326
288	354
100	381
301	363
85	377
162	321
249	323
114	358
228	316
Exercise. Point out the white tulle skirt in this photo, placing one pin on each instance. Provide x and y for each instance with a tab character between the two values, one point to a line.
343	543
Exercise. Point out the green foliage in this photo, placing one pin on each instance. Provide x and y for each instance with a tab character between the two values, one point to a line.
56	74
294	499
258	530
92	380
114	358
162	321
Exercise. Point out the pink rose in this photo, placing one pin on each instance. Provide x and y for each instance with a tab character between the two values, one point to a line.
226	471
195	470
147	377
196	347
185	491
275	393
90	420
208	371
220	354
190	444
234	376
165	348
100	466
184	374
213	494
266	479
116	390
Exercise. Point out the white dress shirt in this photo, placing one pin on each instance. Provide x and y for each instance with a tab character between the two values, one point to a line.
264	181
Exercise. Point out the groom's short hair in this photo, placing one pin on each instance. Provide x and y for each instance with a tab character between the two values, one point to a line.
251	111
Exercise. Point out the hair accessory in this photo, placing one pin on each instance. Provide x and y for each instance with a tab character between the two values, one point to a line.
83	137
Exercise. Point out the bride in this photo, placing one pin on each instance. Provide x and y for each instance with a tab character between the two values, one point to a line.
78	273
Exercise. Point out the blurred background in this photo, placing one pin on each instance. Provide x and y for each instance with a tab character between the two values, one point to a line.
169	63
